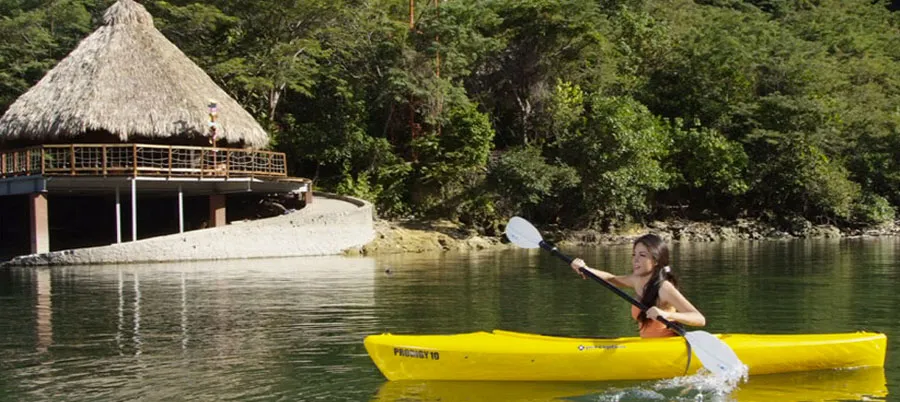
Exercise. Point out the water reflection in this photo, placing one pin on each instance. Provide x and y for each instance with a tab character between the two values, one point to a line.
156	331
184	321
44	308
137	316
831	385
292	329
121	313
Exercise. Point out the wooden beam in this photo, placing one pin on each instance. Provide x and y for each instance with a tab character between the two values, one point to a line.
134	159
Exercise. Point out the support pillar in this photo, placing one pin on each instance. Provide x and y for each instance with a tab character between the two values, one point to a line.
133	209
217	210
180	210
40	223
118	216
308	195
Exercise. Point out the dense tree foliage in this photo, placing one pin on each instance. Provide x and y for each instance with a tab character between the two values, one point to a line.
586	113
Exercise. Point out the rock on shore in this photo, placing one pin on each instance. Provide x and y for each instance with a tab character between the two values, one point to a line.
392	237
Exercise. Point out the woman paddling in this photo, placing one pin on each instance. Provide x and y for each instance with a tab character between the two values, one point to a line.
655	285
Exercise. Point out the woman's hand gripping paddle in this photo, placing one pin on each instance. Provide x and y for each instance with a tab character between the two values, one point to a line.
716	356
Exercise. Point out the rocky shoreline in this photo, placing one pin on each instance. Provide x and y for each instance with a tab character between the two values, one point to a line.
394	237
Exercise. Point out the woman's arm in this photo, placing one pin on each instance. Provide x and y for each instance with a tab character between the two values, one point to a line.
685	312
620	281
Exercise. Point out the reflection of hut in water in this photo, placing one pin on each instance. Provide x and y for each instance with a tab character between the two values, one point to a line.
44	308
128	109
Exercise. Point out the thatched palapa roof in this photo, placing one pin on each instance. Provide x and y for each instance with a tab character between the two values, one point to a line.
127	79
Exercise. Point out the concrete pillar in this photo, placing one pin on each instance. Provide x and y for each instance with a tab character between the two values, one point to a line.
180	210
133	209
40	223
308	195
217	210
118	216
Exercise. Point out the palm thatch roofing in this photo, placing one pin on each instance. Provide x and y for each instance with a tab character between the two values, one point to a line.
128	80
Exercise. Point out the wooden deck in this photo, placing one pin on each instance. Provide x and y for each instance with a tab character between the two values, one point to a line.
140	160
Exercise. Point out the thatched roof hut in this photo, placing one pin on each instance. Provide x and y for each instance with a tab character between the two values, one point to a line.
127	82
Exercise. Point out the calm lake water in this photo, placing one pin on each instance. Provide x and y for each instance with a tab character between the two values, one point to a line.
292	329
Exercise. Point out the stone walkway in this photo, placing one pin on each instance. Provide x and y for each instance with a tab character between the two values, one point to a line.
324	206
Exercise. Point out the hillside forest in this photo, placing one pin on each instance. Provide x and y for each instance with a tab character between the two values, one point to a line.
580	113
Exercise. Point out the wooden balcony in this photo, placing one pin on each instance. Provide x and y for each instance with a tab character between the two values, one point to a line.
140	160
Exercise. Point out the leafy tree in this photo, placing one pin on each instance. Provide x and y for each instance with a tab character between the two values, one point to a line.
446	160
256	49
544	40
485	108
527	184
618	153
35	36
708	164
336	131
800	180
872	209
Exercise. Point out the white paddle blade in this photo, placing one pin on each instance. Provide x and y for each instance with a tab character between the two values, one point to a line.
522	233
716	356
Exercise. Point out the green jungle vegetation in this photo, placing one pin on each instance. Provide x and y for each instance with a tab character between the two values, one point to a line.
581	113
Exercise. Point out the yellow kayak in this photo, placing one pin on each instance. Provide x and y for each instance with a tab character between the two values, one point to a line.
511	356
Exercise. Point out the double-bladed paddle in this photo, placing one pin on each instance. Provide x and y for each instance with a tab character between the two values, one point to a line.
715	355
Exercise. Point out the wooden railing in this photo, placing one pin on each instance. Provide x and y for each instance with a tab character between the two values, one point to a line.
140	160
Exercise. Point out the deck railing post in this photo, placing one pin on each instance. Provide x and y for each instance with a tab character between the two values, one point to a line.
43	160
103	158
170	161
134	159
227	163
72	158
28	162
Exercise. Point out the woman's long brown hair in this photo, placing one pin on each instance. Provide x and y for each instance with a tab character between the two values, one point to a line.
660	253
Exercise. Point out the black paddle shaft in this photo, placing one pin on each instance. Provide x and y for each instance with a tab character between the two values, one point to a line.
555	251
